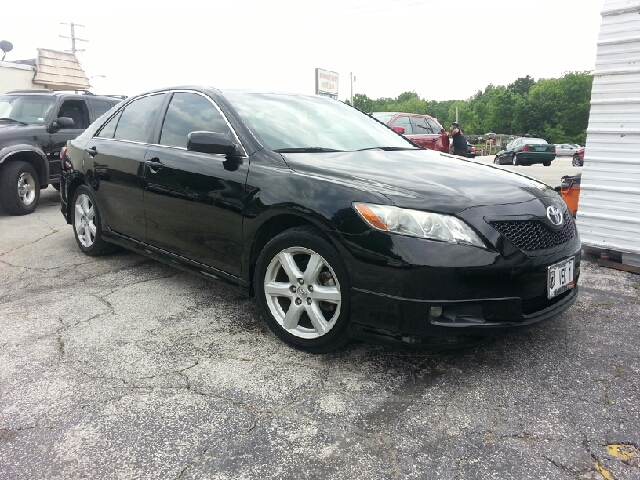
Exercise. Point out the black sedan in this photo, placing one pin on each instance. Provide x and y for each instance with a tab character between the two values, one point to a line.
339	226
526	151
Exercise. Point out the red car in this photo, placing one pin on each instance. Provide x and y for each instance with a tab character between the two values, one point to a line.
420	129
578	157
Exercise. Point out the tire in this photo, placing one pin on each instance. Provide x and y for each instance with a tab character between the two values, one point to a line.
576	161
56	186
496	161
514	160
546	164
19	188
298	269
86	224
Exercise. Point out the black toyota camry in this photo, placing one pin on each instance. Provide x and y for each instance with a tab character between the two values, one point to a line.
339	226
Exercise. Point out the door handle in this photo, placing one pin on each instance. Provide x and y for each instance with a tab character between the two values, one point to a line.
154	163
92	151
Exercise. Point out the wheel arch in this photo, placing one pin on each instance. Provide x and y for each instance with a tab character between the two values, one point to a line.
74	184
272	227
25	153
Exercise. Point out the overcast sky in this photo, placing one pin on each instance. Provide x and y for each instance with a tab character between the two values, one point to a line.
440	49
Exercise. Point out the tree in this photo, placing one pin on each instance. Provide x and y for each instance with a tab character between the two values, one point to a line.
522	85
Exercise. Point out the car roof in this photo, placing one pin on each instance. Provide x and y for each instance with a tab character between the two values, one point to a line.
403	113
62	93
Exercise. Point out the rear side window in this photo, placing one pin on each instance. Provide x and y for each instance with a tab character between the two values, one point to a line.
138	119
190	112
99	107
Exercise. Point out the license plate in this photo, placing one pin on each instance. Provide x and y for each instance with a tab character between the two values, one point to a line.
560	278
541	149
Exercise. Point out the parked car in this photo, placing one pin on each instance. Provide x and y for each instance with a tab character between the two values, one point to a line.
471	151
340	227
526	151
565	149
420	129
34	126
578	158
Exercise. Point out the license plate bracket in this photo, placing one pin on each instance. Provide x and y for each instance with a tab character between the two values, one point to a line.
560	277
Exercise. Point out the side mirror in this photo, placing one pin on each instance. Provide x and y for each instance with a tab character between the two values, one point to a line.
210	142
400	130
65	122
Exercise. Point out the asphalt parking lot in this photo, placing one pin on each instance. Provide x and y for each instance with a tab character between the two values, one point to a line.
124	368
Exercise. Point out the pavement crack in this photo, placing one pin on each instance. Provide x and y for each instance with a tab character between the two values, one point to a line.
30	243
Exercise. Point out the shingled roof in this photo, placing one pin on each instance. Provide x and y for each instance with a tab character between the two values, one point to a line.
59	71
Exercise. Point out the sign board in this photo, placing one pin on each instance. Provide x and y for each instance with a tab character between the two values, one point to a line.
326	83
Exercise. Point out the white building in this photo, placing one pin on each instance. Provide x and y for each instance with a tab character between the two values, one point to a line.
608	216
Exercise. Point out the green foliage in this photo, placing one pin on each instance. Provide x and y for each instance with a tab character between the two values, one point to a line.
556	109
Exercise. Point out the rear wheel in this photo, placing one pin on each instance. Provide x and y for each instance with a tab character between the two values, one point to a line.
514	160
86	224
19	188
302	289
547	163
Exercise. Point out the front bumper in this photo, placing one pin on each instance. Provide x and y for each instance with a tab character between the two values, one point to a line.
461	322
397	280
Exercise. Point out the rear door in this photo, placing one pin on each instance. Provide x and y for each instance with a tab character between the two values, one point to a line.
194	201
114	160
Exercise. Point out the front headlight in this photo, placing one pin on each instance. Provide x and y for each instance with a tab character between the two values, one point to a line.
445	228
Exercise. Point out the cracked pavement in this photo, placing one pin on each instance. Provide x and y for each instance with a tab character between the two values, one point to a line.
123	368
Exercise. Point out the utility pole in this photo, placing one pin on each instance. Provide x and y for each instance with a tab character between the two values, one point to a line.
73	37
352	77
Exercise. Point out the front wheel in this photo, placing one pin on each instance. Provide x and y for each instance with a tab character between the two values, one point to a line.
302	289
576	161
514	160
19	188
546	164
86	224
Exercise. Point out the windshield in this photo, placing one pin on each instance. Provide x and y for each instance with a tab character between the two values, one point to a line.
27	108
283	121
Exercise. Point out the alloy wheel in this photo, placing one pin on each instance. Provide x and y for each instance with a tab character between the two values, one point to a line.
302	292
85	220
26	188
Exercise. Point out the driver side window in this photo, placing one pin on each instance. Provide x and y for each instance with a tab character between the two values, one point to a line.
190	112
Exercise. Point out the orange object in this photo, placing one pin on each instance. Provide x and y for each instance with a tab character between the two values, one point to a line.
570	196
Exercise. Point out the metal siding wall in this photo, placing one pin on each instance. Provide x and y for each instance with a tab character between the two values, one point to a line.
609	208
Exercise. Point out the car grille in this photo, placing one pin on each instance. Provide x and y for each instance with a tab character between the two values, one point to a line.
530	235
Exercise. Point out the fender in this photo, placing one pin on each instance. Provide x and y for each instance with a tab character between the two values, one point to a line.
39	162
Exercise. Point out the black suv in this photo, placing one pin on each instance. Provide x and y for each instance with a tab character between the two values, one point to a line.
34	126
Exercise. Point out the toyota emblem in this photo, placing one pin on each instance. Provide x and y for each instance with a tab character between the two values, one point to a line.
554	214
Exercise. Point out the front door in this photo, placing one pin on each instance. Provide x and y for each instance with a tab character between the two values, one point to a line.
77	111
194	201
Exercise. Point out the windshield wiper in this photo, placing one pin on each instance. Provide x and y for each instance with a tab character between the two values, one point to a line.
388	149
13	120
306	150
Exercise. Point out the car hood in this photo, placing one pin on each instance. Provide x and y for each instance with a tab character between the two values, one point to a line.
422	179
11	130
